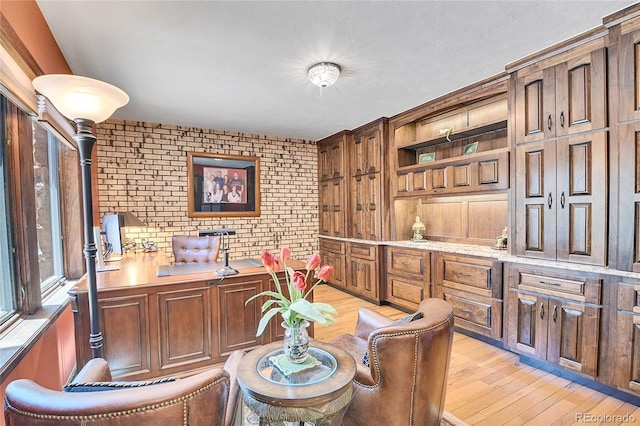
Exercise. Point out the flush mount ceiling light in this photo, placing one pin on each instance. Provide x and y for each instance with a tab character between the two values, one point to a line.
324	74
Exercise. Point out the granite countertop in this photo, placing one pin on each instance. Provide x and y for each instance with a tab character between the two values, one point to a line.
491	253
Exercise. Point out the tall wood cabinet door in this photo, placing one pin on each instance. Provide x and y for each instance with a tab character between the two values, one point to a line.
573	336
530	324
359	200
629	211
535	106
373	220
325	196
337	208
536	200
238	323
581	194
581	94
336	159
366	153
629	77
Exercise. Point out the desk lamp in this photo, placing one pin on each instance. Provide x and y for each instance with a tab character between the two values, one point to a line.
224	244
85	101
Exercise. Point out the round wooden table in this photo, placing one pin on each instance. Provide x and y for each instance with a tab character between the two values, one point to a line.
316	394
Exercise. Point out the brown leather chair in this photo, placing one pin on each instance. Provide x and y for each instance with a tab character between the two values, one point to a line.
409	364
192	249
207	398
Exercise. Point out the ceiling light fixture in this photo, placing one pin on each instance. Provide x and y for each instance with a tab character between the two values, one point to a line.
324	74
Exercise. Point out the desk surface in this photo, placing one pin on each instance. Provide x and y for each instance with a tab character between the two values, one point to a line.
141	269
315	394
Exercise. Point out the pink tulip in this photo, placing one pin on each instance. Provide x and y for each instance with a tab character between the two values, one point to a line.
313	262
285	254
325	273
299	281
269	261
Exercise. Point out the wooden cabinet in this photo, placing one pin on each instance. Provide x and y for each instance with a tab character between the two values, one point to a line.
563	95
171	325
332	196
628	336
408	276
555	317
473	287
561	199
367	195
629	72
363	270
332	253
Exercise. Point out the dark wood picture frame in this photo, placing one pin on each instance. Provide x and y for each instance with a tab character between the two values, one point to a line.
223	185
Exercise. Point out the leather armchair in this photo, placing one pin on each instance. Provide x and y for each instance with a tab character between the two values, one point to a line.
207	398
192	249
409	364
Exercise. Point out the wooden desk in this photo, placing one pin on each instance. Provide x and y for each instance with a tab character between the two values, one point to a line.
275	401
171	325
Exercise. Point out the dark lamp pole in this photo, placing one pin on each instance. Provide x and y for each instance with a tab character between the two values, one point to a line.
85	101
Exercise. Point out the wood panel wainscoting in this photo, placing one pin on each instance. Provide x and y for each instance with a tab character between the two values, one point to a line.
172	325
489	386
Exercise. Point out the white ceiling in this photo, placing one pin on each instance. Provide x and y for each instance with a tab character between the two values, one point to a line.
241	65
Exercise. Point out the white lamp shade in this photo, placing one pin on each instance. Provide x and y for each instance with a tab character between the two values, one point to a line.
324	74
81	97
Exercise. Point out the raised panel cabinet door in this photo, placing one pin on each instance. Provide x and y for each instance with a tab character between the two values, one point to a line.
325	196
581	94
336	158
581	194
359	160
324	163
337	208
573	336
536	200
535	106
373	207
185	321
373	145
369	285
238	323
629	76
628	352
629	199
359	199
530	332
125	324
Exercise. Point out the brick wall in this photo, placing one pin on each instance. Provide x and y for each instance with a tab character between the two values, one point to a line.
142	168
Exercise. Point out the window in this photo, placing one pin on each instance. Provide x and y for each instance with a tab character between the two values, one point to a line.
7	290
45	180
33	164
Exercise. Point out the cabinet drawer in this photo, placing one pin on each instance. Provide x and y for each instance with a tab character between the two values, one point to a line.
404	262
332	246
476	313
573	289
405	291
363	251
467	276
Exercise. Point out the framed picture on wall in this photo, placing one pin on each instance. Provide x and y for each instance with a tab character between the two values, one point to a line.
223	185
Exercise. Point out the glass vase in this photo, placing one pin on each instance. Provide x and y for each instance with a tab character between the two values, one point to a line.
296	342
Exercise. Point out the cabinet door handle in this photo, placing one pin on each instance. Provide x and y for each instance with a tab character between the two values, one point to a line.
549	283
549	200
562	119
465	274
562	200
541	310
555	313
549	122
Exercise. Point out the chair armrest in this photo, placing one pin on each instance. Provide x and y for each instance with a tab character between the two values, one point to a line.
231	367
95	370
369	320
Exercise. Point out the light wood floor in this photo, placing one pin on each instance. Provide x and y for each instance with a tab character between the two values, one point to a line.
489	386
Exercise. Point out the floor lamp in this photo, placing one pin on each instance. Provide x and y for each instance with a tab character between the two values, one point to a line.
85	101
